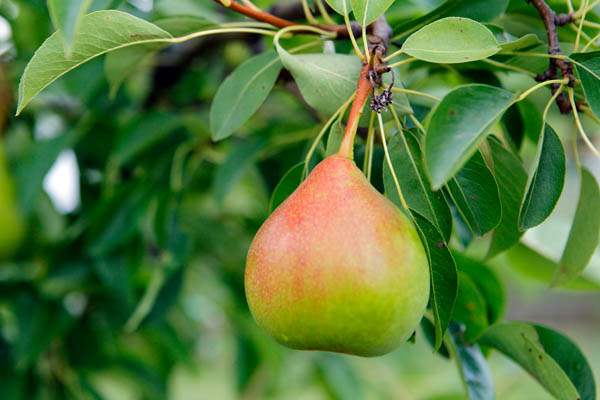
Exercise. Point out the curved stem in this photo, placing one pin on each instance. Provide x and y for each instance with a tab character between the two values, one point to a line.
368	162
415	92
324	12
532	89
587	141
417	123
322	132
580	27
389	161
591	42
507	66
308	13
363	89
357	51
402	62
394	54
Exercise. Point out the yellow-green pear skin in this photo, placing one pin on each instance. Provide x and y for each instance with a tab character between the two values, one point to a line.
338	267
11	223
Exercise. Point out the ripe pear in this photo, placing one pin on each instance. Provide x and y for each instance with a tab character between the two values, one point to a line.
11	224
337	267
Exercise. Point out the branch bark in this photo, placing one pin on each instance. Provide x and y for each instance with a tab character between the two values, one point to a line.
551	22
278	22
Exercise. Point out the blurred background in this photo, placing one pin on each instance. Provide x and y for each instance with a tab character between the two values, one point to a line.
127	280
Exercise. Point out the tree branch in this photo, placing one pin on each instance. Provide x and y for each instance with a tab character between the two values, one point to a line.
278	22
551	22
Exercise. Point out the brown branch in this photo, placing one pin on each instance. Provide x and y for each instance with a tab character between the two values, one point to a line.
258	15
551	22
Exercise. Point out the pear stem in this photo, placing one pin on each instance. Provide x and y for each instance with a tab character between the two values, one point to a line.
363	89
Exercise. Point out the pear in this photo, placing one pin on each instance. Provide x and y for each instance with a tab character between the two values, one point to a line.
337	267
11	222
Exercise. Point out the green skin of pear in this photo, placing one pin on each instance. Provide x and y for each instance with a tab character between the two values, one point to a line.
338	267
11	223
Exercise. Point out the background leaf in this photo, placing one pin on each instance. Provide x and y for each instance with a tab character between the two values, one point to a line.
66	15
470	309
474	370
458	124
475	193
534	349
547	181
451	40
242	93
585	231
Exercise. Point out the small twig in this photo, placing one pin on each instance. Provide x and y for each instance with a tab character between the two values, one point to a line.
279	22
551	22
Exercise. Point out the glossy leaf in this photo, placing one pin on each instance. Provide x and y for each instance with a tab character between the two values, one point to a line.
470	308
451	40
588	68
551	358
473	367
367	11
511	179
536	267
233	168
444	277
585	231
546	183
475	193
487	283
286	186
326	81
406	157
66	16
99	33
478	10
242	93
458	124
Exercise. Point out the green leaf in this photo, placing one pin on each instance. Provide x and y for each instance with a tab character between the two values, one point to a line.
444	278
406	157
585	231
458	124
99	33
121	64
547	181
234	166
326	81
184	24
511	179
474	370
451	40
287	185
470	308
367	11
588	68
530	264
66	16
242	93
551	359
487	283
339	376
475	193
143	133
